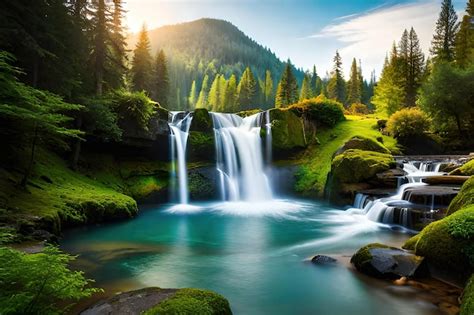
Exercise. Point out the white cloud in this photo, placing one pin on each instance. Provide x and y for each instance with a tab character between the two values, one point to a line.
370	36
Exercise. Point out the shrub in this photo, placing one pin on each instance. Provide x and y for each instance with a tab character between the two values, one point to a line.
358	109
134	106
320	109
37	283
408	122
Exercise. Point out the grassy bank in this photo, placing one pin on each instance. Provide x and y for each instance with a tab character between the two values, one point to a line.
316	161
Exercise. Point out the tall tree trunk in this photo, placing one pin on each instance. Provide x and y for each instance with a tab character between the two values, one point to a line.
28	170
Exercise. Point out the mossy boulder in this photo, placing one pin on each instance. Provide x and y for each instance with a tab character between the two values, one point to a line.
464	198
202	121
382	261
192	301
247	113
352	170
362	143
287	131
201	184
448	244
467	301
466	169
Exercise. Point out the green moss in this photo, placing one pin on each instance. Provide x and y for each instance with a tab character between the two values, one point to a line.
364	143
193	301
448	243
361	259
144	186
464	198
201	145
467	304
355	166
202	121
247	113
200	187
316	161
287	130
466	169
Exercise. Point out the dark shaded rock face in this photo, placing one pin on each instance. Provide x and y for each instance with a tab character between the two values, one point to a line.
201	144
130	303
203	183
323	260
381	261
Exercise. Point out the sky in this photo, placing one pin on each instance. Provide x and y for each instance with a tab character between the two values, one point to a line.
306	31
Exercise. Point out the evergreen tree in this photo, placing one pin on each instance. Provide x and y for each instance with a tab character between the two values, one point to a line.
287	91
202	101
230	104
314	83
268	88
161	84
193	96
214	94
354	91
464	48
415	68
319	87
118	53
247	90
306	92
141	70
99	55
336	86
442	45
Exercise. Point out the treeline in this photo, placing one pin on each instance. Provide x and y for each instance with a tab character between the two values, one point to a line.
437	91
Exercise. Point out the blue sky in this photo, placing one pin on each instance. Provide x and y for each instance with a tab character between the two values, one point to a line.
307	32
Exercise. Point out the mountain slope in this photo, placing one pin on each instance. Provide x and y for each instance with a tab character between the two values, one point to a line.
206	47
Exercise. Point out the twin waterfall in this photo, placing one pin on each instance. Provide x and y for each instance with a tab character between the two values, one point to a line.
240	159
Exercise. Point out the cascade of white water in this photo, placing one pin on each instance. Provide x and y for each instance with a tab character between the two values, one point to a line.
268	140
425	169
239	157
179	124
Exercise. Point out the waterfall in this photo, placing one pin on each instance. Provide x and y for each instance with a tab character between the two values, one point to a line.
179	124
239	157
395	209
268	135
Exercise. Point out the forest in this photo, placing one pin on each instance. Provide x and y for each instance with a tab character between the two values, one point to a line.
88	113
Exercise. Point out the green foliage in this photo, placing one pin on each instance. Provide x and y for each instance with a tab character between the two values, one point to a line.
354	86
247	90
193	301
446	96
142	62
358	109
306	91
336	85
287	90
37	283
160	89
408	122
467	305
464	198
134	106
100	119
321	110
466	169
444	39
447	243
287	130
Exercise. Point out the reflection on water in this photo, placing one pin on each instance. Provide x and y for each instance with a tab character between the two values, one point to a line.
252	253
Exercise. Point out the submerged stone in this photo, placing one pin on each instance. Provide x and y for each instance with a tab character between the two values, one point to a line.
323	260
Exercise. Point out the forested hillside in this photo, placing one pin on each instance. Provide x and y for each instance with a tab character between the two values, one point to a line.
211	47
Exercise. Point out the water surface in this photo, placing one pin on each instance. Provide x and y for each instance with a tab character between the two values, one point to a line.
252	253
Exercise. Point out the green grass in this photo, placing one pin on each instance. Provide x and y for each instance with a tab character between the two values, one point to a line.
316	162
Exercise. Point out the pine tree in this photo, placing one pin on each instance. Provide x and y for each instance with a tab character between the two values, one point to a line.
354	91
442	45
118	55
193	96
99	55
268	88
202	101
287	91
161	82
230	104
141	70
314	83
336	85
415	68
319	87
306	92
247	90
214	94
464	48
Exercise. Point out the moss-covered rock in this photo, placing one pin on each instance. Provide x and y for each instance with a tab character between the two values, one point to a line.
464	198
382	261
363	143
202	121
351	170
467	304
201	187
287	131
448	243
192	301
247	113
466	169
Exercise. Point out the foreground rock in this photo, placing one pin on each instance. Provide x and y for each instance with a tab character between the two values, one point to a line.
151	301
382	261
323	260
